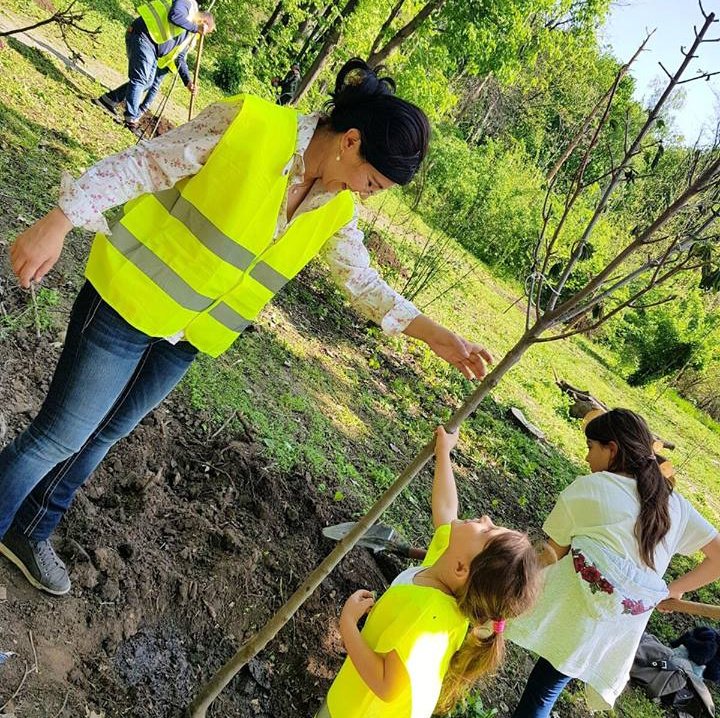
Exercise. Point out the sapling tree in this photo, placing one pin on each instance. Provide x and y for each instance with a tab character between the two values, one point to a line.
674	240
68	20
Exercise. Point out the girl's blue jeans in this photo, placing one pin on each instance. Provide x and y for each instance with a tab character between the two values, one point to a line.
544	686
109	376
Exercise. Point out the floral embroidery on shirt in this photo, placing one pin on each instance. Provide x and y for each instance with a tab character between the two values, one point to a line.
590	573
634	608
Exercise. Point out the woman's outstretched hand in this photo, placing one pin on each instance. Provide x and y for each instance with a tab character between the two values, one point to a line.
469	358
36	250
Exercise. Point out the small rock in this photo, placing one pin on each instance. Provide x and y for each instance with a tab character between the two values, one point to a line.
85	575
110	590
3	593
261	672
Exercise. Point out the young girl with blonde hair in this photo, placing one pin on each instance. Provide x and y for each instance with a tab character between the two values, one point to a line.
439	627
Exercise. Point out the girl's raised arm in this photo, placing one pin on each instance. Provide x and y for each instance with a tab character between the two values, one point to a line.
444	491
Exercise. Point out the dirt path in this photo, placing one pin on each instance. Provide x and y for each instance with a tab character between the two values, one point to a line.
90	68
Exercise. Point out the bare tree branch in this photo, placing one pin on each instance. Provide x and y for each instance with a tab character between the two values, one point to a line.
652	116
67	20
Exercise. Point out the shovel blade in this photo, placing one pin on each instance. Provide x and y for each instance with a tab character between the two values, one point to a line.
378	537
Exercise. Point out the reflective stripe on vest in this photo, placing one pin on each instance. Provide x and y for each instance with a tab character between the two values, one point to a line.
201	257
168	60
155	14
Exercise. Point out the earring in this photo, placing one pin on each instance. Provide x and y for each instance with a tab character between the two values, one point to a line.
337	158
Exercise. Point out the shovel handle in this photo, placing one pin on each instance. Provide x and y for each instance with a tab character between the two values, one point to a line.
416	554
196	76
706	610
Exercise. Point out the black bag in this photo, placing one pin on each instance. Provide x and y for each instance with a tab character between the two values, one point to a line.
661	675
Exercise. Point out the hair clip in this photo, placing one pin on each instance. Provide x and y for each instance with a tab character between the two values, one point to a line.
499	625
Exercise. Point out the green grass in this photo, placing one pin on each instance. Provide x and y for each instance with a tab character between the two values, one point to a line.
108	47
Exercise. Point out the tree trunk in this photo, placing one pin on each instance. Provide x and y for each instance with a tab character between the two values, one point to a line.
405	32
386	26
211	690
472	96
331	40
269	23
316	33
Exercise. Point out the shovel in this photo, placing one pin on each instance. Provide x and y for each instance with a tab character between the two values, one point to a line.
378	537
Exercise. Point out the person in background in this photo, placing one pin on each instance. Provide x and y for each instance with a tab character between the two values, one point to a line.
157	43
614	533
220	213
415	656
289	85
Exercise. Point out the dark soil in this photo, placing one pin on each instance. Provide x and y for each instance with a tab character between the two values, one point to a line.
180	547
150	122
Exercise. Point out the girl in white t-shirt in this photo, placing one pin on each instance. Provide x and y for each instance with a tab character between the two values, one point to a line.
614	533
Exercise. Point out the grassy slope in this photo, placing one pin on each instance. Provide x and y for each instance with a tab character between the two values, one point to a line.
316	385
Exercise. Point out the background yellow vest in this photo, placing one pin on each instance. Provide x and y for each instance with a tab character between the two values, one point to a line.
155	14
200	257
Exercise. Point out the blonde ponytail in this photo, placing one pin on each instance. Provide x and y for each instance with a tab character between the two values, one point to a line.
503	582
477	657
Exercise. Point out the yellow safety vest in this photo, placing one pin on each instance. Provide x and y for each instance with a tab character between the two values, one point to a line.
201	257
156	16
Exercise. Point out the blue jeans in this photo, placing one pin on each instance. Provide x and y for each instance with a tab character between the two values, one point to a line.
143	76
544	686
109	376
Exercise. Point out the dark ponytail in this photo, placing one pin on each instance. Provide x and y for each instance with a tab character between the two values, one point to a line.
635	456
394	133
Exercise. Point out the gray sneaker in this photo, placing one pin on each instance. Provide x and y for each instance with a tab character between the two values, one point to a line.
38	562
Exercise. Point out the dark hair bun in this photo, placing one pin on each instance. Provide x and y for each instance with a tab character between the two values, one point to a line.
394	133
358	82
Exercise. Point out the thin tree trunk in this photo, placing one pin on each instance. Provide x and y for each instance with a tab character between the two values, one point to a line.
270	22
405	32
386	26
316	32
210	691
331	40
265	29
472	97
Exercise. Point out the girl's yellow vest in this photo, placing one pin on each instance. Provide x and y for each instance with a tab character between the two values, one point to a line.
201	257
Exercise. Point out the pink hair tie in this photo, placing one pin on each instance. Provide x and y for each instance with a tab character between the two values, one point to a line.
498	626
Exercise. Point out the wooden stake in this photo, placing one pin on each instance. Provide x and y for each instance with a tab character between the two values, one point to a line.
706	610
197	74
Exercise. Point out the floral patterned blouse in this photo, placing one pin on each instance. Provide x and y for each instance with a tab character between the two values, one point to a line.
160	163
